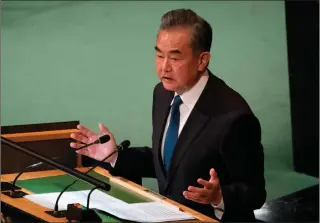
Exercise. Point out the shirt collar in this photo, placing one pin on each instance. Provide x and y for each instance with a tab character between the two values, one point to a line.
191	96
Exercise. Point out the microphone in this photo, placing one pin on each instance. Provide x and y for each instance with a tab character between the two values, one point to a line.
101	140
122	146
18	193
6	185
56	213
55	164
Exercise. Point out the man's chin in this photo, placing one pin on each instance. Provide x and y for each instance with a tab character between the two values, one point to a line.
168	86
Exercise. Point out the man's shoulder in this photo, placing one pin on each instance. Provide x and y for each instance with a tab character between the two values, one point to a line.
160	91
219	95
228	105
159	87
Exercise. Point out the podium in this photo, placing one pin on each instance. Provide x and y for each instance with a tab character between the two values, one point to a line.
49	180
54	180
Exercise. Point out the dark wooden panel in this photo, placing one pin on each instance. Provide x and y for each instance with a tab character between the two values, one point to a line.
13	161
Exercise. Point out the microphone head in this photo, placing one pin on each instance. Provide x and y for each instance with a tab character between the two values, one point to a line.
104	139
124	145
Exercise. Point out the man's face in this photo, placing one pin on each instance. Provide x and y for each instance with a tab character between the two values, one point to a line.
178	68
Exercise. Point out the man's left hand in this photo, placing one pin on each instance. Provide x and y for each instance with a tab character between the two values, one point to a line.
209	194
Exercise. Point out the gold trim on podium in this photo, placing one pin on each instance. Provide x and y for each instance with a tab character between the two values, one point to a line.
41	135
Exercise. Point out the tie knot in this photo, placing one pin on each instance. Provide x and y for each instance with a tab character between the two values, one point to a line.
177	101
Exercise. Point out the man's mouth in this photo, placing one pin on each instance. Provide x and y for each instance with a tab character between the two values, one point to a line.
167	78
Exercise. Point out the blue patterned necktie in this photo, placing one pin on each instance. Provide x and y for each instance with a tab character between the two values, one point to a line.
172	131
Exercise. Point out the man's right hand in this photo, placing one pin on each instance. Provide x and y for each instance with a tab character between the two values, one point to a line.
96	151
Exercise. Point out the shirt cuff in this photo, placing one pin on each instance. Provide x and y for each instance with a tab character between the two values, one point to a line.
114	162
219	209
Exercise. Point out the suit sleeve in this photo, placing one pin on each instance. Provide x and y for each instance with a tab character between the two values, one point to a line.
242	153
133	164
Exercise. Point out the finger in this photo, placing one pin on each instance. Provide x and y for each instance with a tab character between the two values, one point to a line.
104	129
84	152
208	185
85	131
76	145
79	137
78	133
194	197
201	191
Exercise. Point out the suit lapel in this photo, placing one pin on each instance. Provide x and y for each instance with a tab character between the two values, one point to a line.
193	127
190	131
161	114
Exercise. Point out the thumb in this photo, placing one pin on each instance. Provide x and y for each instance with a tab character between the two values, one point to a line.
213	174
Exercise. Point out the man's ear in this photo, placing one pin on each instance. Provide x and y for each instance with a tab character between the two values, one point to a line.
204	61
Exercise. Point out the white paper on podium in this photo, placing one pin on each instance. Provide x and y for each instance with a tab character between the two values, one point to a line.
139	212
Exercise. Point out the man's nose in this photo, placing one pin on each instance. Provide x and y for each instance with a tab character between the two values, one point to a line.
166	65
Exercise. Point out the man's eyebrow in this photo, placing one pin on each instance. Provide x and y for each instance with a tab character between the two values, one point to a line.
157	49
176	51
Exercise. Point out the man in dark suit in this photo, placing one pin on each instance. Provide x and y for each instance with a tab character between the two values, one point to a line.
206	142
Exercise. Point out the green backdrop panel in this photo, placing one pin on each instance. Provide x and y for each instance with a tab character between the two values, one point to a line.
93	61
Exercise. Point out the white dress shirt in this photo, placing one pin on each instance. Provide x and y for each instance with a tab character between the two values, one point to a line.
189	99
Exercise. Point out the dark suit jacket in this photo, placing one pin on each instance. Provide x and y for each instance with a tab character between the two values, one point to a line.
221	133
